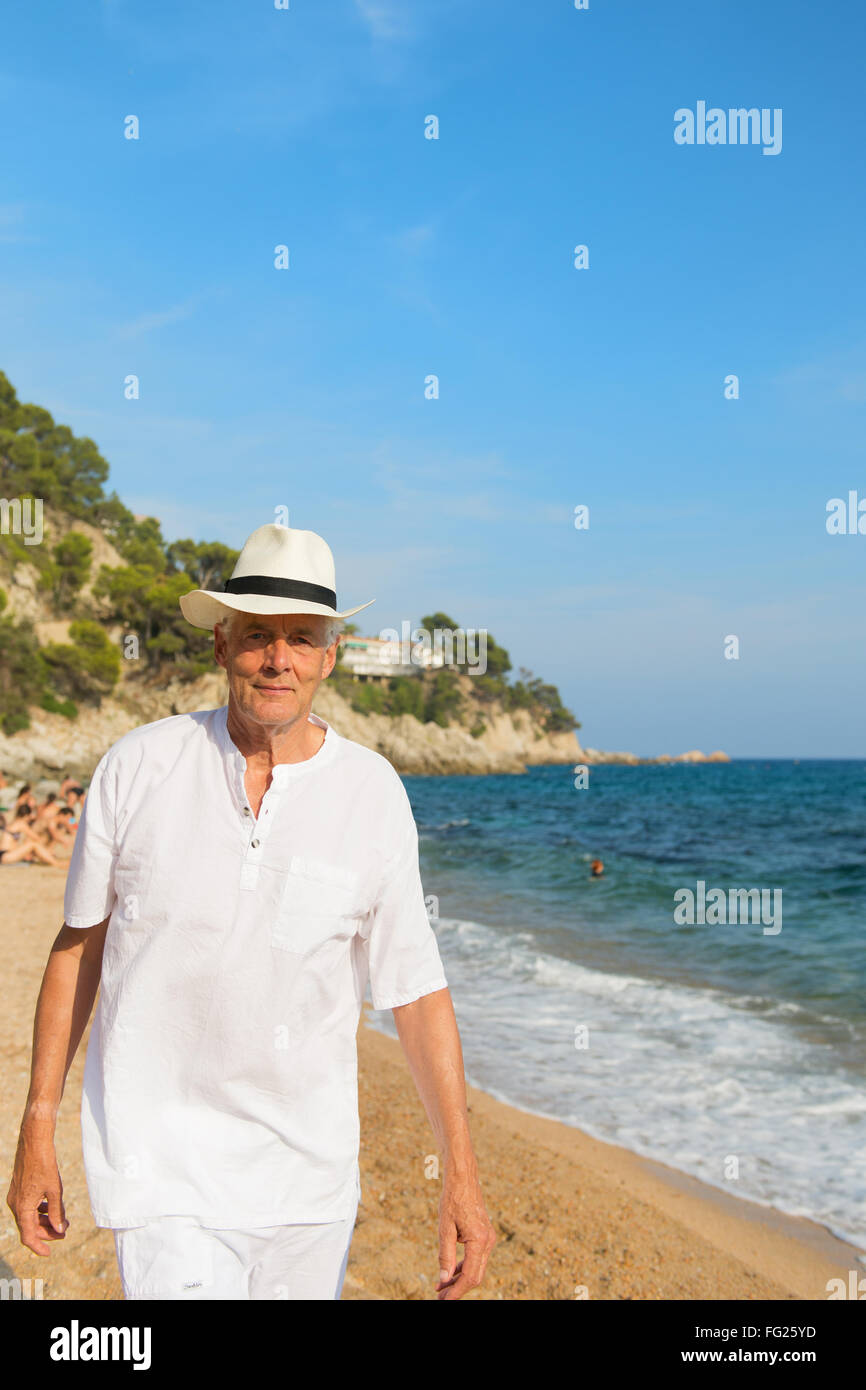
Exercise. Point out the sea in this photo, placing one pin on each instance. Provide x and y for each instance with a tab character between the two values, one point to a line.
733	1051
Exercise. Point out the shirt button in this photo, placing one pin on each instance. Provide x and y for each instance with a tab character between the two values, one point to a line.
247	811
255	844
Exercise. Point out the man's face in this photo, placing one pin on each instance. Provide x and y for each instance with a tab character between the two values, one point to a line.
275	664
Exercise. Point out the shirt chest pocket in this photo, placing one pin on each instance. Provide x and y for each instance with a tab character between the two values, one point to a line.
319	903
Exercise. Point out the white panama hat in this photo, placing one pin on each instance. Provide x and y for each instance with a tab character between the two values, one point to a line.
279	570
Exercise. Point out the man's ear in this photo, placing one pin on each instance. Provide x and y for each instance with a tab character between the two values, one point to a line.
219	645
330	658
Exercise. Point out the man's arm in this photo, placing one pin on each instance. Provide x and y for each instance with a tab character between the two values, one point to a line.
428	1033
65	1002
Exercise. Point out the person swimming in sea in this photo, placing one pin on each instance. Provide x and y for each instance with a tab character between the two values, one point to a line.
596	868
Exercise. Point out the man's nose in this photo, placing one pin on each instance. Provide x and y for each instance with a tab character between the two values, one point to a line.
278	654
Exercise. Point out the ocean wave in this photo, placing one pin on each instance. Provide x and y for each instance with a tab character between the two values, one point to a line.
686	1075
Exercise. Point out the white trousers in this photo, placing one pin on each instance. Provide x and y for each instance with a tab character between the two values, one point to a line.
176	1258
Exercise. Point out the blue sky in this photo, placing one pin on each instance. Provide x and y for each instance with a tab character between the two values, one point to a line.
408	256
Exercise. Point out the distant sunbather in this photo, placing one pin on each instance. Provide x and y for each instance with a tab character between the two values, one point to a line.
19	843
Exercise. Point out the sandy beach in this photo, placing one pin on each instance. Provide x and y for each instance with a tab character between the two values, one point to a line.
572	1214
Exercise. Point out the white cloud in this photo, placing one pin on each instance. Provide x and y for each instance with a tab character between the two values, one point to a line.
146	323
11	217
413	238
853	387
837	377
11	212
182	519
385	19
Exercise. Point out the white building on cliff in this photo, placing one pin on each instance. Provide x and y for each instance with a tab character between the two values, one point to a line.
377	658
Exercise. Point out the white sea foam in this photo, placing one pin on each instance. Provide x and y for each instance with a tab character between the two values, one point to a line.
688	1076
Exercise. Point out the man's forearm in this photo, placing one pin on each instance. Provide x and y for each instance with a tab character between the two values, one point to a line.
65	1002
428	1033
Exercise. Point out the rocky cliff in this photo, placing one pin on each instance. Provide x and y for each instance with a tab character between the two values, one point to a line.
54	745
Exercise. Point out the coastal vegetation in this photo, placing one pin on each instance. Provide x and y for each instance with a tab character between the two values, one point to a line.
131	608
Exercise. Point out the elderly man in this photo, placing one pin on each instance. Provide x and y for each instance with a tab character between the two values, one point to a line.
239	875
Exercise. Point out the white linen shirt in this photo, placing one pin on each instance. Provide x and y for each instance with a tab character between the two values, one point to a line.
221	1073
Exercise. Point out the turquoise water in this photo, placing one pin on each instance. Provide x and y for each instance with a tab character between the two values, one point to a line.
702	1043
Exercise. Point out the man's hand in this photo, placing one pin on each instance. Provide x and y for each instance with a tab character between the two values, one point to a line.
35	1195
462	1217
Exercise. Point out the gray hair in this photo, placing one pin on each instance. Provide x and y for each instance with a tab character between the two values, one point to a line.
331	627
